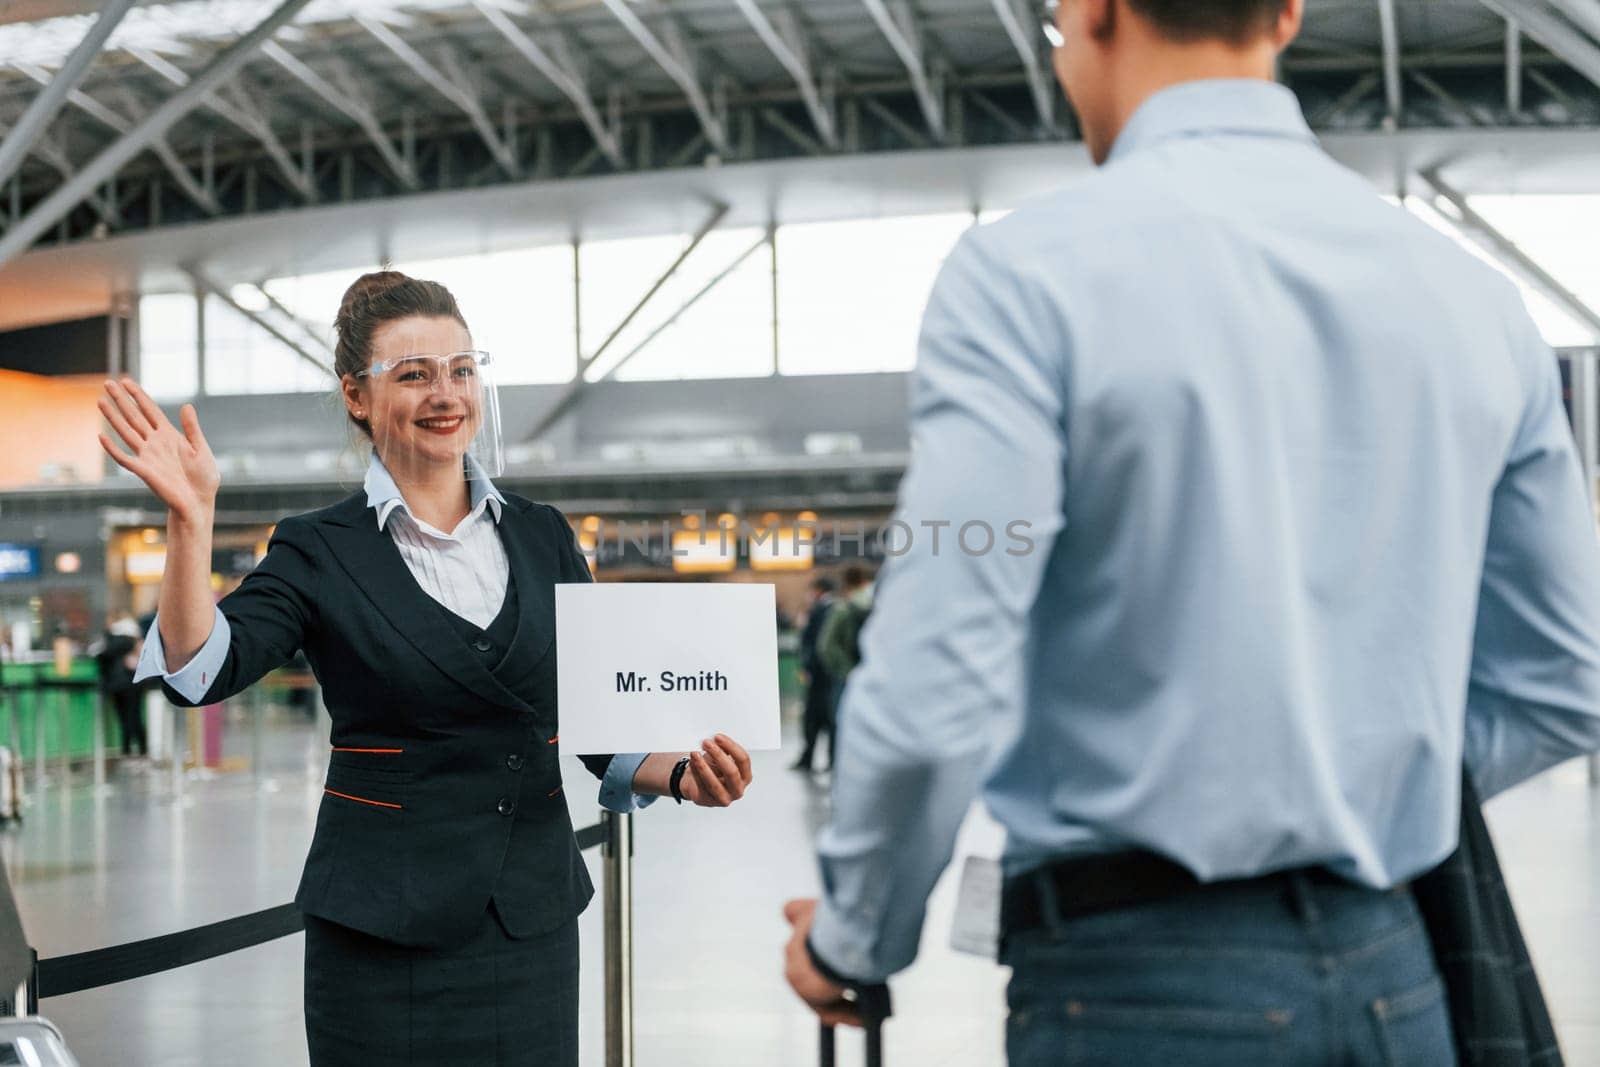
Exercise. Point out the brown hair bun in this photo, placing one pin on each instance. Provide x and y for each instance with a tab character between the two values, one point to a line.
365	288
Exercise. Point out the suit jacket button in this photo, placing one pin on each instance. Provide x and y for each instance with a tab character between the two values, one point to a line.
506	806
514	761
482	645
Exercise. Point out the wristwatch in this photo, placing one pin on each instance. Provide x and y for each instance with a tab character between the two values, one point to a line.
676	781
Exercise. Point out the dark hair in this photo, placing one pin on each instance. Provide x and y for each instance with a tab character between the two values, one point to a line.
822	584
1234	21
374	300
855	576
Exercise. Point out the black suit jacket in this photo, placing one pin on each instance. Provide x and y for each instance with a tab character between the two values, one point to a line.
434	761
1497	1007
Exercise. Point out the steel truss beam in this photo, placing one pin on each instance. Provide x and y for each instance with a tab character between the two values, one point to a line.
163	151
1544	26
785	40
347	100
452	85
1389	24
1020	27
243	113
47	212
873	115
1585	13
44	107
1446	98
899	28
50	151
1513	67
561	70
1344	101
672	55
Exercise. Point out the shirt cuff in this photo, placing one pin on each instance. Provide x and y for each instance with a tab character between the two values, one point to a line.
200	673
841	954
616	788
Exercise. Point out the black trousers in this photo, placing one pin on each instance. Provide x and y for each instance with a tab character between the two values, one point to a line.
492	1002
818	717
130	719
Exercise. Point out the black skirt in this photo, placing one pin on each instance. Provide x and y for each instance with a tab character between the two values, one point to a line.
492	1002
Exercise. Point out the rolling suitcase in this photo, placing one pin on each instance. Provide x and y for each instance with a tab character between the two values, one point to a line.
875	1008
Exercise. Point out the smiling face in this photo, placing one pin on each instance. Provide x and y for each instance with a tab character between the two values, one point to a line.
422	417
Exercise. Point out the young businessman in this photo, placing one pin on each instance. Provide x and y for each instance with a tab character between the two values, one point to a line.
1308	530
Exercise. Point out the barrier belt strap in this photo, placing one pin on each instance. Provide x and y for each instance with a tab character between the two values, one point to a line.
138	959
105	966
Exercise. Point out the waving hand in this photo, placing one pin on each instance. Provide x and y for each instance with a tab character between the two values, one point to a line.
177	465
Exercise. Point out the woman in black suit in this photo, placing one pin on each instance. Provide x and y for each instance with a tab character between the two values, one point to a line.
443	883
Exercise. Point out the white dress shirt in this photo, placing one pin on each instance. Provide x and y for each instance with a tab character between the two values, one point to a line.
466	569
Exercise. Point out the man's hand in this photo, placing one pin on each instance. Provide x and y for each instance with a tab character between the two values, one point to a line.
824	998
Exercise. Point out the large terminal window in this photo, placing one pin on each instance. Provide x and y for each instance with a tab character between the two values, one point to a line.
243	358
851	294
712	318
1535	224
1557	232
169	326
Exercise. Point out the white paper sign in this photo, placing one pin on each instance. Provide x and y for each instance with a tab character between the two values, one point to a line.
661	667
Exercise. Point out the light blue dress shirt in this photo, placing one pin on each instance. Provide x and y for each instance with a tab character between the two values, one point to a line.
384	497
1299	525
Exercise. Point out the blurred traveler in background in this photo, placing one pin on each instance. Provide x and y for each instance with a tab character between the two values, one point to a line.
117	655
818	682
839	641
1308	529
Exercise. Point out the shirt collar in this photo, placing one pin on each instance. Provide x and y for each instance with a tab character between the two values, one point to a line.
1215	106
383	495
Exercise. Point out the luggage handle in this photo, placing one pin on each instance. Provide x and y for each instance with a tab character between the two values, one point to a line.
874	1006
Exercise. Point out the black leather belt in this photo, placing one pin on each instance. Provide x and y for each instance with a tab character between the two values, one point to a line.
1071	888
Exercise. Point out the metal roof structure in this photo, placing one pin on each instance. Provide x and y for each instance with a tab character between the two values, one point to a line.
145	116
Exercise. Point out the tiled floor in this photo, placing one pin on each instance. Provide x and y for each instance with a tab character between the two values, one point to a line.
134	863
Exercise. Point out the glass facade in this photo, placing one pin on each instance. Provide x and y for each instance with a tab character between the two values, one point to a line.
813	298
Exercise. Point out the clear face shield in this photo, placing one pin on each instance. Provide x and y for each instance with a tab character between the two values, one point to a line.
432	410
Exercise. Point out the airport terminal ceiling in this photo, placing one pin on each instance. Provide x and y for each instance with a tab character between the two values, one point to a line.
380	128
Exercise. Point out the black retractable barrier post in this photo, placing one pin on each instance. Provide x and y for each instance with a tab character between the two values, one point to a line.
874	1006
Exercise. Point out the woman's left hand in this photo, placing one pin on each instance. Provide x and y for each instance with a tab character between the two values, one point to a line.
718	774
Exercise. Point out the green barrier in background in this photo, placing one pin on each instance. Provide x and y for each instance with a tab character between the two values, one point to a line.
69	713
790	691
